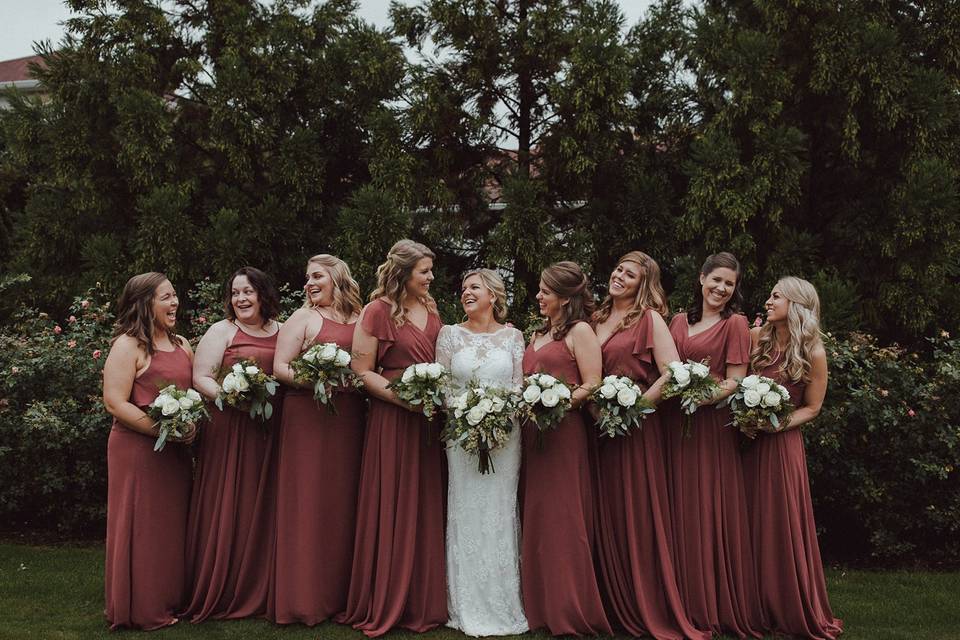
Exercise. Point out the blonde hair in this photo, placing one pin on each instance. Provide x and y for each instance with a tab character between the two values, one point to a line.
650	293
393	274
567	280
494	284
803	324
346	291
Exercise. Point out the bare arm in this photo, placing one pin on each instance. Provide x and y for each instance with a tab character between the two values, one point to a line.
119	372
585	347
664	352
290	341
364	364
814	394
209	357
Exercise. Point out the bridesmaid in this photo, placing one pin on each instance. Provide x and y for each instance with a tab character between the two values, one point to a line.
230	535
634	532
147	492
713	552
319	462
558	583
398	575
787	557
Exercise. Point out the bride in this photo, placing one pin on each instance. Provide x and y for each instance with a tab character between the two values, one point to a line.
483	572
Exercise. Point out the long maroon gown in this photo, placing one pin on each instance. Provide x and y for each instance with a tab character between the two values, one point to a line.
398	578
147	497
789	571
635	533
232	528
714	557
318	477
558	581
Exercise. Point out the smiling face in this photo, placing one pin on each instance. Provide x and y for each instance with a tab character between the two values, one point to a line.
717	288
550	303
625	280
476	299
777	306
418	284
165	304
245	301
319	286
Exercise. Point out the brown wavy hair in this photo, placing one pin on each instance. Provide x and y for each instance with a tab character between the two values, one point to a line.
720	260
393	274
567	280
135	311
494	284
650	293
803	325
346	291
267	294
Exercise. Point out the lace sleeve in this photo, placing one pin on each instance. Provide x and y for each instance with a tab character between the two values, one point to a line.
517	351
444	352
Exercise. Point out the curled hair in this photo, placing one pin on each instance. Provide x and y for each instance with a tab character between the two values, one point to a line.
567	280
720	260
650	293
267	294
494	284
393	274
803	328
135	311
346	291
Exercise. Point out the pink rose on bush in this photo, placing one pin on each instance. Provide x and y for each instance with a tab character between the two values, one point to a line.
57	330
96	354
72	319
72	343
84	304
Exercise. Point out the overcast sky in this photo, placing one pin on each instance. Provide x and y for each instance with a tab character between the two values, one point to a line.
23	22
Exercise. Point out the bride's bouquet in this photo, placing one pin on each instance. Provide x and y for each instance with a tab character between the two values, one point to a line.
481	420
757	400
246	386
622	406
544	401
422	385
326	366
177	412
692	382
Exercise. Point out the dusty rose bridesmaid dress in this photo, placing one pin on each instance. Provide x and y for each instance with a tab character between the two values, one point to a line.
635	532
793	591
232	526
558	581
398	578
713	552
147	497
318	477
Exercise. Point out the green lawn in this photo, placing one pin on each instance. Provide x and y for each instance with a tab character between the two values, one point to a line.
57	592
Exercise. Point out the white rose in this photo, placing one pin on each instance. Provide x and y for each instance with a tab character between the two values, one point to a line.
170	406
193	395
531	394
408	374
762	388
751	397
328	352
498	405
549	398
783	391
608	391
251	370
750	381
185	403
229	383
676	365
158	401
681	377
474	416
772	399
242	384
700	370
547	380
310	355
458	413
238	368
420	369
609	379
627	397
563	391
342	359
434	370
485	405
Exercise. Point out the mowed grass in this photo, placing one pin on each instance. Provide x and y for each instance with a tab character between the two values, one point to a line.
57	592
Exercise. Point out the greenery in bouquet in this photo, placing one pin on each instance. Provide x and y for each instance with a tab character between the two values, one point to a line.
758	400
177	412
327	367
692	383
480	422
544	401
622	406
246	386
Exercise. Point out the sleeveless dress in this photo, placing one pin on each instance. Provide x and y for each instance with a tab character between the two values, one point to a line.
789	571
635	533
714	557
232	528
483	528
147	497
558	581
318	477
398	573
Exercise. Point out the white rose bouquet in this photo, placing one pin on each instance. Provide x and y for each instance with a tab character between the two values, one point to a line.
757	400
622	406
177	411
544	401
246	386
480	421
327	367
692	382
422	385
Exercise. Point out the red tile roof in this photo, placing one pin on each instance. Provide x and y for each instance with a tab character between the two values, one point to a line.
15	70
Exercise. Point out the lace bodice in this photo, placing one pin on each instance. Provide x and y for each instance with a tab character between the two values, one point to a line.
492	358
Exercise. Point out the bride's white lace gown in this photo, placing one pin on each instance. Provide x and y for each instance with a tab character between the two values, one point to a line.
483	529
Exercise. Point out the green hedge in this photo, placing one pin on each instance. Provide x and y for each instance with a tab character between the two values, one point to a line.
884	455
